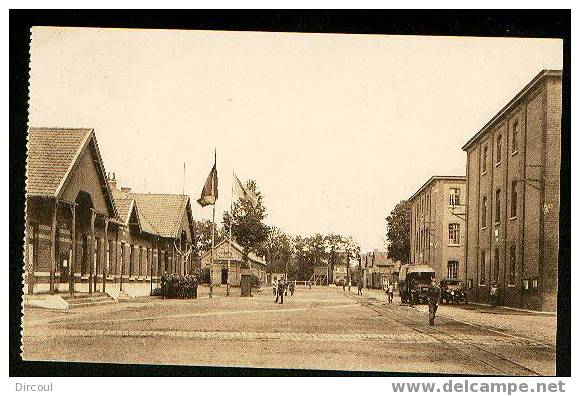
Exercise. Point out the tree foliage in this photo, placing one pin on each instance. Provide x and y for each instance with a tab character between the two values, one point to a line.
248	228
398	233
202	231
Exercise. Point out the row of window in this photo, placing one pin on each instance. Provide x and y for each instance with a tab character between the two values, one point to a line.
499	144
425	205
423	238
511	268
497	212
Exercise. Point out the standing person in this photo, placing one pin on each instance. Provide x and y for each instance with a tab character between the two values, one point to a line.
390	292
274	287
493	293
280	293
344	286
292	285
360	286
349	284
433	298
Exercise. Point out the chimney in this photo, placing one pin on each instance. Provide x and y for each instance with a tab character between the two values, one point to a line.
112	181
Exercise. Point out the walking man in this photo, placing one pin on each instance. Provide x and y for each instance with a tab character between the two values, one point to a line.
280	294
433	300
360	286
292	285
390	292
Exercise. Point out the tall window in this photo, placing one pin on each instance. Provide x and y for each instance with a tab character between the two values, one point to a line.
512	269
498	150
454	194
484	160
514	203
131	260
453	269
497	205
482	269
484	212
496	265
515	137
454	234
110	257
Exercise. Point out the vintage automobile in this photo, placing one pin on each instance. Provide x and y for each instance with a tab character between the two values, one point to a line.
414	283
452	291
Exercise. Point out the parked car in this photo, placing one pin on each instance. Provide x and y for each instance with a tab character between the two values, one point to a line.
452	291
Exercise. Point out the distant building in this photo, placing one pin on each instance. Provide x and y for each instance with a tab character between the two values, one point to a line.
438	225
513	183
222	253
378	269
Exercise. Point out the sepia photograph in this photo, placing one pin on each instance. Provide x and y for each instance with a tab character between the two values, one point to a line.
384	203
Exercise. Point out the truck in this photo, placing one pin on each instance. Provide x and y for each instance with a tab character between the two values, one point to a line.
414	283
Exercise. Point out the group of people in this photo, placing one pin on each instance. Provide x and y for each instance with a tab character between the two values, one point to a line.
348	284
280	289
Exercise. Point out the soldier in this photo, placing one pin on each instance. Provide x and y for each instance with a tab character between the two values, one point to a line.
360	286
292	285
433	299
280	294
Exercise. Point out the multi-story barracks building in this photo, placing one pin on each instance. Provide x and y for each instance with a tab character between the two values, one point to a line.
513	186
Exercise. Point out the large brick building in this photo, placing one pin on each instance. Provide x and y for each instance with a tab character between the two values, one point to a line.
513	185
438	225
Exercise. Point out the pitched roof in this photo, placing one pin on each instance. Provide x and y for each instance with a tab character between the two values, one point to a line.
158	214
52	154
239	248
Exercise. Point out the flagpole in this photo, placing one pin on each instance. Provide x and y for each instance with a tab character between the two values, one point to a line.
212	232
230	234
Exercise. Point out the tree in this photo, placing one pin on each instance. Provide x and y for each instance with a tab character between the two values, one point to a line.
398	233
202	231
278	250
248	228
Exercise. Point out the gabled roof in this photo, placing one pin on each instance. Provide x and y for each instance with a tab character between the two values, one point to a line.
159	214
239	248
52	154
432	179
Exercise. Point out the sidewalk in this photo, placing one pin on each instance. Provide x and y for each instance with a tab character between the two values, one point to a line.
536	326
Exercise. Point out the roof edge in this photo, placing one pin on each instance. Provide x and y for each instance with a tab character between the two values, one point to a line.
528	87
432	179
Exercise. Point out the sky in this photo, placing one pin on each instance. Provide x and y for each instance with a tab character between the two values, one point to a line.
336	129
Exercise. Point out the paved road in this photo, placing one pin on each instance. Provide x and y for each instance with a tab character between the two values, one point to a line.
318	328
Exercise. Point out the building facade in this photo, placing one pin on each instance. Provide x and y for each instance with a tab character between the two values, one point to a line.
70	213
157	238
122	241
513	184
223	273
437	234
378	269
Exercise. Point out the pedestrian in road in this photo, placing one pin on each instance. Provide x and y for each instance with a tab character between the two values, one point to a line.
433	297
280	294
286	287
344	286
292	286
360	286
390	292
349	284
493	294
274	287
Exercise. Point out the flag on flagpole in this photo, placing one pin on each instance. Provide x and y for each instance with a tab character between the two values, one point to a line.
209	194
243	192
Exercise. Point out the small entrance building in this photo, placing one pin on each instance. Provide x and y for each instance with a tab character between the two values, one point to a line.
225	253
